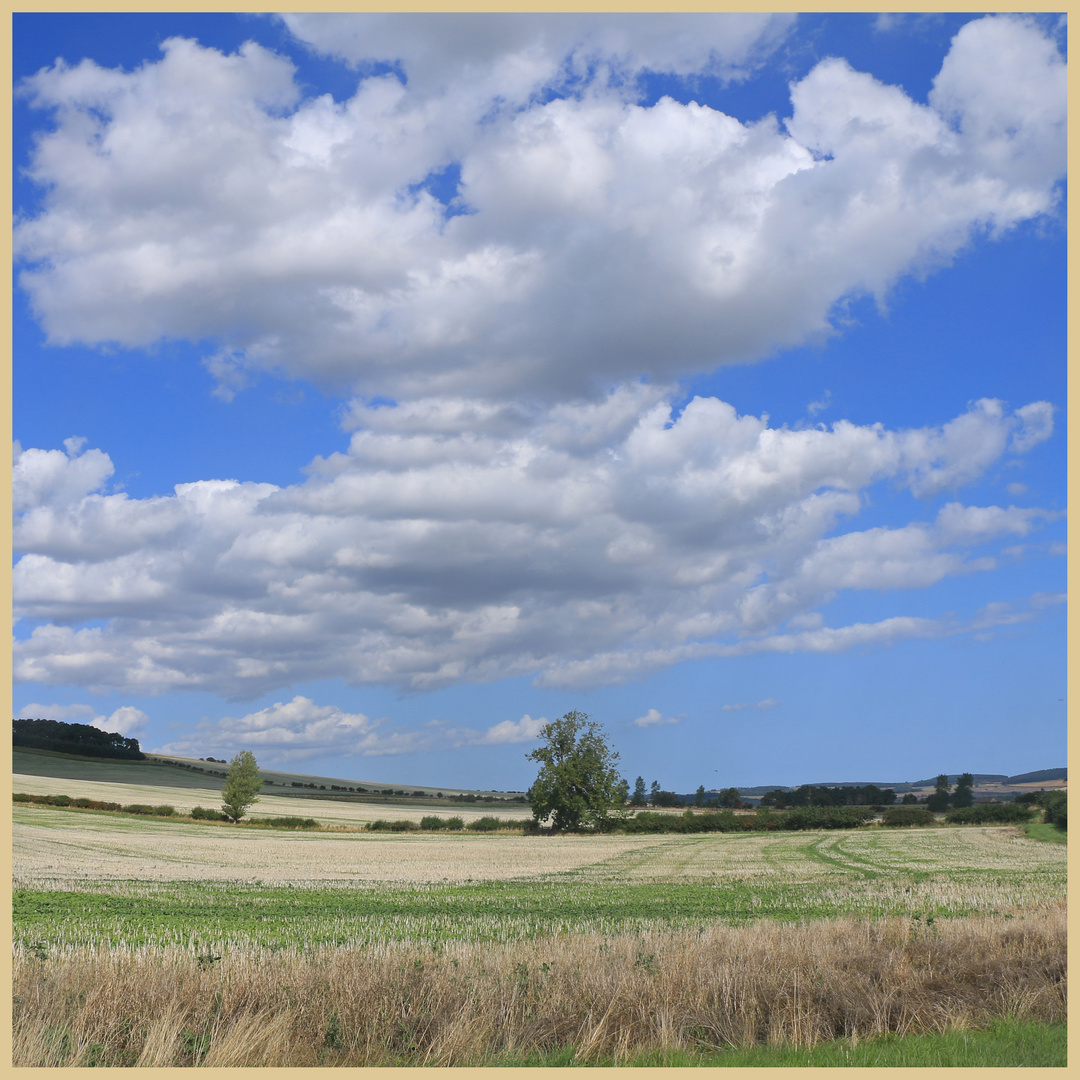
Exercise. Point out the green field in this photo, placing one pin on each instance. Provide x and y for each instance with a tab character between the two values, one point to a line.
44	763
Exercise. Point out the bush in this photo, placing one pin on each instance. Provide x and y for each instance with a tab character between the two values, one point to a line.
825	817
82	802
292	823
1055	805
138	808
989	814
485	824
164	810
908	815
59	800
20	796
432	823
382	825
200	813
455	824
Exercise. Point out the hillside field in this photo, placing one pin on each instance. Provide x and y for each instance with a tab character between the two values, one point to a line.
136	781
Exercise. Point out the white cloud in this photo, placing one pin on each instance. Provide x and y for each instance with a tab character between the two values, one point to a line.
299	729
294	730
69	713
759	706
126	721
200	198
512	731
584	543
653	718
514	55
529	505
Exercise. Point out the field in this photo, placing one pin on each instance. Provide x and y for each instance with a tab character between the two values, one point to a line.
149	941
127	782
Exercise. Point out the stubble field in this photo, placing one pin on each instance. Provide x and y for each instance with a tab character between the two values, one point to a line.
142	941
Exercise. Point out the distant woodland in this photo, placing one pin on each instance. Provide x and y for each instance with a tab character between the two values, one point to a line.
74	739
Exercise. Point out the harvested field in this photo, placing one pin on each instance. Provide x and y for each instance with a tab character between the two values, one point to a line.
62	846
288	889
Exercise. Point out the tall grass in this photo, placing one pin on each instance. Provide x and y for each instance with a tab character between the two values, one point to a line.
609	997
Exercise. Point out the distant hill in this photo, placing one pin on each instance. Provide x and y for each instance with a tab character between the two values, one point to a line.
901	786
1038	777
979	778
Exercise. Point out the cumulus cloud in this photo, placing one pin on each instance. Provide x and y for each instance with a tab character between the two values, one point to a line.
526	498
589	240
127	720
511	732
653	718
300	729
294	730
515	55
582	544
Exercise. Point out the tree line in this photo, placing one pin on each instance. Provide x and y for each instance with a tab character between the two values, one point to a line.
579	787
84	739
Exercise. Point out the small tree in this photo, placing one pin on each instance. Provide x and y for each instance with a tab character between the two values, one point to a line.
699	795
962	794
578	785
729	797
939	801
241	785
638	798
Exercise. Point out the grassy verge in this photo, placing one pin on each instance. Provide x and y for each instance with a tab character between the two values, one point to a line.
610	997
1049	833
1008	1044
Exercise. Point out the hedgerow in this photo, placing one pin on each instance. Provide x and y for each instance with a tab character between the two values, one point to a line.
989	814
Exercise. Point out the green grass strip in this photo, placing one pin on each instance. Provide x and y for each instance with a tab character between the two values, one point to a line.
1006	1045
1052	834
275	917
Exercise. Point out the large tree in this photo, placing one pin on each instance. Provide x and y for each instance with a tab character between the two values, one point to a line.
241	785
578	785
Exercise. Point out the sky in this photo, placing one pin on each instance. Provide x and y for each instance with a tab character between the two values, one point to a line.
386	386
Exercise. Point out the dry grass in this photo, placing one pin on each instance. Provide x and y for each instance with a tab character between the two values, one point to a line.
402	1004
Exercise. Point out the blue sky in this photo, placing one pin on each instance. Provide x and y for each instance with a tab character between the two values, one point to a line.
385	386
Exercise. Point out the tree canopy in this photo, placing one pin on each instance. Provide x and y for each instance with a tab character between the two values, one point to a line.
241	785
578	785
68	738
